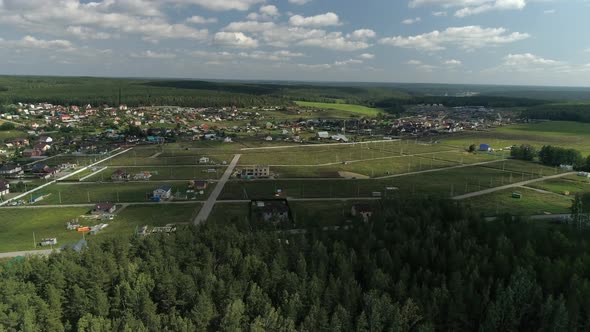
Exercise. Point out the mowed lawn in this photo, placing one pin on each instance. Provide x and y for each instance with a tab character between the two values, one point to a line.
355	109
531	203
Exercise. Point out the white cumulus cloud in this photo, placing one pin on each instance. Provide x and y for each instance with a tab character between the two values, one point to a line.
467	37
234	39
322	20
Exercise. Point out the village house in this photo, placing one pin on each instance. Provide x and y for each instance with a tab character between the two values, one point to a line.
43	147
31	153
362	210
272	211
103	208
163	192
45	139
4	188
20	142
197	184
204	160
142	176
11	170
120	175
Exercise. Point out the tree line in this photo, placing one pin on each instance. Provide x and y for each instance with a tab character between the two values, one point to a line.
427	265
552	156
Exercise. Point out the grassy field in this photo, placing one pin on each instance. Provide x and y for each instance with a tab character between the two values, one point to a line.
559	133
445	183
11	134
353	109
17	226
531	203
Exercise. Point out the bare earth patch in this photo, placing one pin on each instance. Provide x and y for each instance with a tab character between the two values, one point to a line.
351	175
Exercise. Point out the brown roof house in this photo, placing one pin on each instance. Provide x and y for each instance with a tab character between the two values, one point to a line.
103	208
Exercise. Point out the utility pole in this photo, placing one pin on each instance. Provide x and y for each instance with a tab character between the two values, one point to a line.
34	241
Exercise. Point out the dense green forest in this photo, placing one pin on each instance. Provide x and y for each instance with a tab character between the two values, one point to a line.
560	112
426	266
139	92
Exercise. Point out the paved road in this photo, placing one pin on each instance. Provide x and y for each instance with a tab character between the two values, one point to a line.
508	186
92	174
27	253
208	206
62	178
440	169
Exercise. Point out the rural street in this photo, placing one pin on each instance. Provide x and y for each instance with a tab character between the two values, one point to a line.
439	169
208	206
27	253
508	186
62	178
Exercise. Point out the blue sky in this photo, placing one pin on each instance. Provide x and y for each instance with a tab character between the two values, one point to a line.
525	42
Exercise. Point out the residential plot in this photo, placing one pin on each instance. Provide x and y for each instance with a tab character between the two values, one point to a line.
530	203
81	193
133	217
17	227
161	173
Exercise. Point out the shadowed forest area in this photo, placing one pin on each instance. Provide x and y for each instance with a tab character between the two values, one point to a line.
430	265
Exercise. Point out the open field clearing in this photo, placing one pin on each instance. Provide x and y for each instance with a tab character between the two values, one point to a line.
82	193
372	168
163	173
531	203
333	154
354	109
16	229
